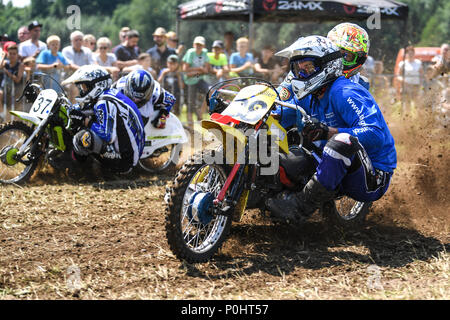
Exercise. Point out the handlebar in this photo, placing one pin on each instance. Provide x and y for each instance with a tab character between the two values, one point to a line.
279	102
29	84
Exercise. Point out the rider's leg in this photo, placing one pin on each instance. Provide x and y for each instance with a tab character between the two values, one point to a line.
336	160
342	168
299	205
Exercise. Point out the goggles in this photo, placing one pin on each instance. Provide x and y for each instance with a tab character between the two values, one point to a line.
349	58
84	88
304	67
139	99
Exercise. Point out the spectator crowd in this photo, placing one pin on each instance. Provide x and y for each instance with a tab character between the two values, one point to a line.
185	72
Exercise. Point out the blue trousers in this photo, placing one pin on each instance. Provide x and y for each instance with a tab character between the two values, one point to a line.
333	174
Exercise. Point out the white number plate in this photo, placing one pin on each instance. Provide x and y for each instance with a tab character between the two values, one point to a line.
44	103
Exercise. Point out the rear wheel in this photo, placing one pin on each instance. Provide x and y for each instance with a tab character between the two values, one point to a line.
346	212
12	168
194	231
162	159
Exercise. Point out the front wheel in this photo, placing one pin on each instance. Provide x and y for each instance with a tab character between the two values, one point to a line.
12	168
346	212
195	229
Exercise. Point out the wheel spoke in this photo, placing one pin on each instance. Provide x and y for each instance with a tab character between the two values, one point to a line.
13	137
199	236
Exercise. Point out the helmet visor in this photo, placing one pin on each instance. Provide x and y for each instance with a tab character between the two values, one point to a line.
304	68
83	88
139	102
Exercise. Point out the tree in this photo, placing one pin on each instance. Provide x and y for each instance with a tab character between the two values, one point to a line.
58	8
437	28
12	18
145	16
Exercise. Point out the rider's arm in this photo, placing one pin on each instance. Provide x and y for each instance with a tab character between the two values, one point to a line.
166	100
289	116
104	123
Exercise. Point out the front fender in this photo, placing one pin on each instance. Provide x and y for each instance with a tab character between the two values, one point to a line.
27	117
233	140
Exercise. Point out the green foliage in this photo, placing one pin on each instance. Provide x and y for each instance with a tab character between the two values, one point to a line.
145	16
12	18
99	26
437	28
58	8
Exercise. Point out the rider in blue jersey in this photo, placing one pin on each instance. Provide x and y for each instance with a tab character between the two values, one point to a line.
353	42
358	154
153	101
114	134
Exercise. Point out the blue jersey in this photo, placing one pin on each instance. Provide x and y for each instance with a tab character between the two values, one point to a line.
351	109
111	105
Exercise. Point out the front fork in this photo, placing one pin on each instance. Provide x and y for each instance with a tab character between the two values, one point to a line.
221	196
237	175
236	184
35	136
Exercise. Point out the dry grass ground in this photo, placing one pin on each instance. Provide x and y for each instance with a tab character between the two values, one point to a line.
66	239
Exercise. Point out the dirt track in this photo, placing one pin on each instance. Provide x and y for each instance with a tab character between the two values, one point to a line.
64	239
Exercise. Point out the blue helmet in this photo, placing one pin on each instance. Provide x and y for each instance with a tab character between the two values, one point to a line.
139	86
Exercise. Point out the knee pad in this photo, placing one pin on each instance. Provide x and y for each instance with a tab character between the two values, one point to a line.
343	146
347	148
86	142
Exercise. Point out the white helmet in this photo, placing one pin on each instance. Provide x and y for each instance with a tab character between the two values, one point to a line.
91	81
323	61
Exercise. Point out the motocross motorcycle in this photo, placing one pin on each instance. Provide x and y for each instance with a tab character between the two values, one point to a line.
44	132
208	194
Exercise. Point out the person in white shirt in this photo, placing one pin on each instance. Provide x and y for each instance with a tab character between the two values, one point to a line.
105	58
77	56
76	53
33	46
411	77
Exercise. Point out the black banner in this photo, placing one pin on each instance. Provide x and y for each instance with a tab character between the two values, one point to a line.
292	10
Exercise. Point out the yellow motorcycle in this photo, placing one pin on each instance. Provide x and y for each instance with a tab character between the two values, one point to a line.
215	186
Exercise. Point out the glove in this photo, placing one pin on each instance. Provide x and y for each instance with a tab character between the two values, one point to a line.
315	130
160	120
77	118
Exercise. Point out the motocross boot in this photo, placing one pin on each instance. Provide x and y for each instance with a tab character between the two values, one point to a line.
60	160
298	206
